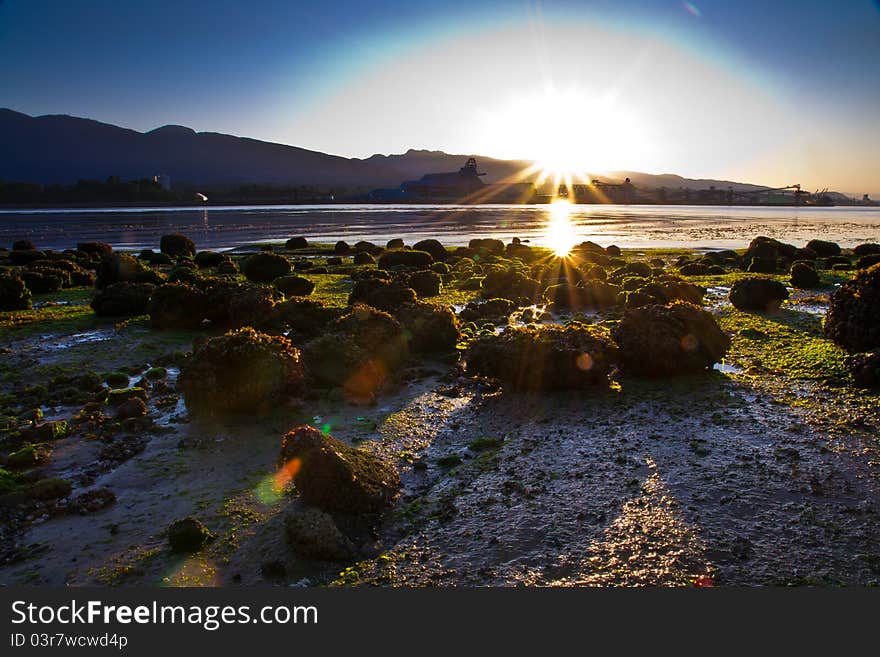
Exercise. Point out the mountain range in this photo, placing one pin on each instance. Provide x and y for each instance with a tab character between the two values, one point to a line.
64	149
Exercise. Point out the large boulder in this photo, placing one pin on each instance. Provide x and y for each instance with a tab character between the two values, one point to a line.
306	318
240	372
824	249
868	248
677	338
121	299
231	304
208	258
496	311
766	255
381	294
761	294
265	267
373	330
123	268
14	294
95	248
296	243
335	360
429	328
177	306
804	276
510	284
176	245
405	259
425	283
587	295
294	286
188	535
437	250
335	477
544	358
853	317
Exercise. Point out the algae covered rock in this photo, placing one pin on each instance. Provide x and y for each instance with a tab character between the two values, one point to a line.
509	284
492	310
188	535
593	294
294	286
381	294
265	267
432	246
123	268
665	340
335	477
824	249
14	294
176	245
853	317
406	259
804	276
120	299
306	318
241	371
761	294
231	304
425	283
296	243
429	328
544	358
177	306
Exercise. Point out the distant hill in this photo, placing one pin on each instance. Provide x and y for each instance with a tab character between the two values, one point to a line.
64	149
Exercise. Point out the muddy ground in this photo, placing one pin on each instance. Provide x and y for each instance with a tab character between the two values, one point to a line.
757	473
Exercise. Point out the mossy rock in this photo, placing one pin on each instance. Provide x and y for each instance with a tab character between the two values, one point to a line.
853	317
678	338
188	535
14	294
265	267
241	371
405	259
335	477
119	397
176	245
294	286
121	299
117	379
533	358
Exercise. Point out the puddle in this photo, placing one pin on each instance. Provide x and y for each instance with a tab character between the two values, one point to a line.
98	335
727	368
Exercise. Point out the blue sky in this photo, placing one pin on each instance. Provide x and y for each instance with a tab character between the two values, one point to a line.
765	91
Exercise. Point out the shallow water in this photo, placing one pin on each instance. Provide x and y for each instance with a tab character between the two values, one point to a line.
641	226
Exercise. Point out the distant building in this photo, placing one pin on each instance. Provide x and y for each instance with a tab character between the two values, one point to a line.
453	185
163	181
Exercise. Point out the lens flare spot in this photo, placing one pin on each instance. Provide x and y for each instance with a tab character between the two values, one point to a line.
584	362
271	487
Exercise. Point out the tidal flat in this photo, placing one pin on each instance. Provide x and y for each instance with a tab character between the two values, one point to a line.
546	428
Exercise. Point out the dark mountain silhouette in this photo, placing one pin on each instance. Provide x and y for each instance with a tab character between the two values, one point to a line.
64	149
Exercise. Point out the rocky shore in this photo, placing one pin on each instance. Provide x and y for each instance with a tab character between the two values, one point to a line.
426	414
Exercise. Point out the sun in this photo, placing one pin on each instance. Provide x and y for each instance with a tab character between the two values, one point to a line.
569	134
